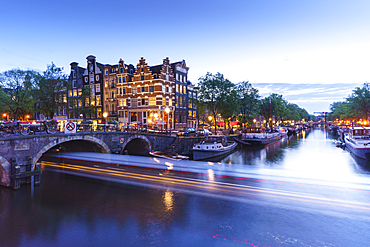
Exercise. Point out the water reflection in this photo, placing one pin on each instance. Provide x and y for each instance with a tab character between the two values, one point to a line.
310	154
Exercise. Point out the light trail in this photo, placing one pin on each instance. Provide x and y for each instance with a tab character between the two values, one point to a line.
234	189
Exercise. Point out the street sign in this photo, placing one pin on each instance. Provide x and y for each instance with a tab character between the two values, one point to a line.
70	127
121	140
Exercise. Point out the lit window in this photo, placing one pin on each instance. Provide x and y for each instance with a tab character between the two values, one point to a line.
152	101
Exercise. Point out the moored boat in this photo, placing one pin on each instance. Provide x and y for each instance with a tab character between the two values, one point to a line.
259	137
212	147
170	156
358	142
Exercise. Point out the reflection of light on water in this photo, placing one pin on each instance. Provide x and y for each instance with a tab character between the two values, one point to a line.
303	134
170	165
156	160
168	200
210	163
211	175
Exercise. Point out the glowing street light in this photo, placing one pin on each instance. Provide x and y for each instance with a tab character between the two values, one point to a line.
167	111
105	115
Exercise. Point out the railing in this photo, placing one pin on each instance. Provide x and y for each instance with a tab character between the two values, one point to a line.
17	128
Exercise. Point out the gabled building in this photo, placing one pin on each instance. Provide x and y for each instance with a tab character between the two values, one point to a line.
157	95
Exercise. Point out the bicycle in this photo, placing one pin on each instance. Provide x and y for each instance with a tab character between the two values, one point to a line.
7	129
48	127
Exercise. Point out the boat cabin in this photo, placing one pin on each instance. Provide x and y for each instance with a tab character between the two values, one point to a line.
360	133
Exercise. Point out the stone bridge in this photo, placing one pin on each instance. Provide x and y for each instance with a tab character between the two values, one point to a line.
27	150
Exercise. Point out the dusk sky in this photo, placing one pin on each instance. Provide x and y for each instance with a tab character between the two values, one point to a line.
312	52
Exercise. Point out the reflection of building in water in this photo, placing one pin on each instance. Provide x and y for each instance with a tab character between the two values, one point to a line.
168	200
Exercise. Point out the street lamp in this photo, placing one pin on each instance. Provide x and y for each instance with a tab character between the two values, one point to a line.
4	116
167	110
105	115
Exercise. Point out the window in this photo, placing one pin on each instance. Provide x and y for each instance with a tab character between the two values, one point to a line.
152	101
91	67
190	113
74	83
120	91
163	101
106	83
124	90
181	88
73	74
177	88
121	70
134	102
86	79
97	78
144	114
98	100
79	92
126	114
142	70
98	88
142	78
106	71
143	102
151	89
123	79
143	89
91	78
163	89
184	90
190	104
194	114
119	80
74	93
120	113
134	90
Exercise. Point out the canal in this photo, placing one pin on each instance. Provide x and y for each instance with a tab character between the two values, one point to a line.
301	191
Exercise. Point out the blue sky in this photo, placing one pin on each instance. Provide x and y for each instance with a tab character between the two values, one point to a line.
294	48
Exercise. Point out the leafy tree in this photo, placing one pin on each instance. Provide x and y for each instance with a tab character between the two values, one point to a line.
248	102
49	90
212	92
359	102
17	85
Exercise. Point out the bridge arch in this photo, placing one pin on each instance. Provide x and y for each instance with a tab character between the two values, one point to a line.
70	139
137	145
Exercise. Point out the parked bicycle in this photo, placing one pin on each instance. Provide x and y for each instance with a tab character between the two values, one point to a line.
43	126
10	128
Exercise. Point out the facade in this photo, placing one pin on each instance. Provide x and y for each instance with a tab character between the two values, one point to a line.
157	95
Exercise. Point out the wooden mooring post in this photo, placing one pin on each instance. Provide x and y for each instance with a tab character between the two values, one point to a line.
23	173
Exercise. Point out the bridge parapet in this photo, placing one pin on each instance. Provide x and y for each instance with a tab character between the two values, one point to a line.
22	149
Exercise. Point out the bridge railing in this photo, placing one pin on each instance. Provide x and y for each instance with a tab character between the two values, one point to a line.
82	127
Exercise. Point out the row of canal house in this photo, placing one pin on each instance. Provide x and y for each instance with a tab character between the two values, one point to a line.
159	94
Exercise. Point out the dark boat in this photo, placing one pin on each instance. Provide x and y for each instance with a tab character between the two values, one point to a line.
212	146
259	137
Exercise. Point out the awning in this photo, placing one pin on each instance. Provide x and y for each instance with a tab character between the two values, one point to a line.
231	123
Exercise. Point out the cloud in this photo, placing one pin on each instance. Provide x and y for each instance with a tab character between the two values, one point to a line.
312	97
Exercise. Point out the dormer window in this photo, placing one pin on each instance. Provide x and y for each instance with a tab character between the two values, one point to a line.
106	71
142	70
91	67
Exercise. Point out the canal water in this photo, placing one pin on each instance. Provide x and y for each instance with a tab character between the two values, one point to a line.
73	211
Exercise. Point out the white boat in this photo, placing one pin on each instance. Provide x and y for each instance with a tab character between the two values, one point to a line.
212	147
170	156
259	137
358	142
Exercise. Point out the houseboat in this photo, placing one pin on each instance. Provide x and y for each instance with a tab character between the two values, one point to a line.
212	146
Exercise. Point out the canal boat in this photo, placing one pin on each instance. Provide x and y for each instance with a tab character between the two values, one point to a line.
259	137
212	146
170	156
357	141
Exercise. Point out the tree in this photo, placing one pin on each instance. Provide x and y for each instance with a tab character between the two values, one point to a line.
17	85
359	102
50	90
248	101
212	91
